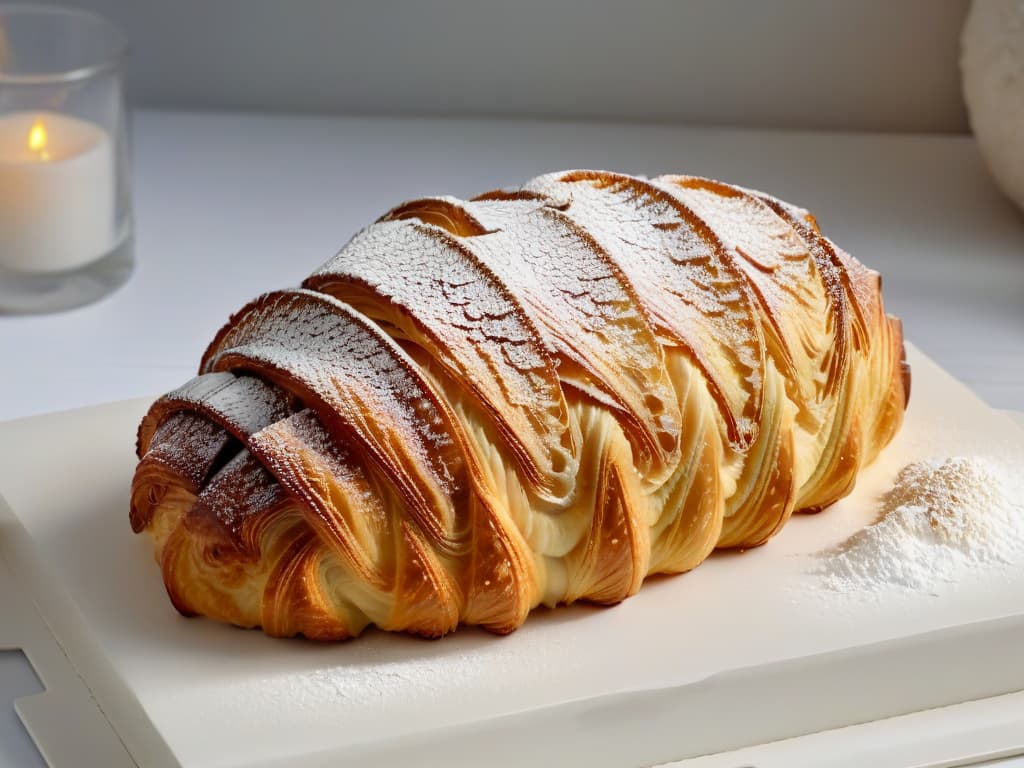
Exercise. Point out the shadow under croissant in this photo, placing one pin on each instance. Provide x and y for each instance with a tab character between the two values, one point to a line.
383	646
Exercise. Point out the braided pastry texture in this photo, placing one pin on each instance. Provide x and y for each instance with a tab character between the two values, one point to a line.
532	397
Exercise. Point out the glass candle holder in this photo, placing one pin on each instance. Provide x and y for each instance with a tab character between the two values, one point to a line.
65	203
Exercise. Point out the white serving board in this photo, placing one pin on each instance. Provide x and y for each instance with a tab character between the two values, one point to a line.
63	719
749	648
985	732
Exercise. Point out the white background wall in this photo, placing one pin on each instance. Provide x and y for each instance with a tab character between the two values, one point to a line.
836	64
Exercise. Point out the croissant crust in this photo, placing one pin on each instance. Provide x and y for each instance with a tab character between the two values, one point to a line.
537	396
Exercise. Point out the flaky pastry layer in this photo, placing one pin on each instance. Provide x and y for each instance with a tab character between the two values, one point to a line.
532	397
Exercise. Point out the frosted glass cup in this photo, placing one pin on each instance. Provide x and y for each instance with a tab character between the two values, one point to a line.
65	203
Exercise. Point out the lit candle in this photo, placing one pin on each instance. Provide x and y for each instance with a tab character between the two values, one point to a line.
56	192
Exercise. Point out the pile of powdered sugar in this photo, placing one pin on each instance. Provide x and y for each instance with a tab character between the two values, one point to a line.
942	519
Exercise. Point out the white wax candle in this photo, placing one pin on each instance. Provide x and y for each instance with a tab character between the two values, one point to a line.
56	192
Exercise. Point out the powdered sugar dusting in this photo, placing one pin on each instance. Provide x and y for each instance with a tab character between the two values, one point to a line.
470	321
680	275
858	280
848	281
586	306
942	519
863	283
241	489
188	444
364	381
245	403
777	263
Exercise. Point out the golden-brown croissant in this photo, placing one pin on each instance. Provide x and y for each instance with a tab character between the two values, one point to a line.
531	397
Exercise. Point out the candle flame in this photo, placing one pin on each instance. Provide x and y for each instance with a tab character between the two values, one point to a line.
37	140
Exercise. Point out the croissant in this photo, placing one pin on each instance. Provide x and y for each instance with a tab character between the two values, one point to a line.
532	397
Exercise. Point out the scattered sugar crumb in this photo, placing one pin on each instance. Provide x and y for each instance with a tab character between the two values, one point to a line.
942	519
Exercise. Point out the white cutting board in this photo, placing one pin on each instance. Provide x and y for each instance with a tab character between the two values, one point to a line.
748	648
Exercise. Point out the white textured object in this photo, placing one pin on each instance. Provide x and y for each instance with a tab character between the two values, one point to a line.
992	62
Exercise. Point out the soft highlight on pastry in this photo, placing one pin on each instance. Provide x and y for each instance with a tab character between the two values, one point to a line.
531	397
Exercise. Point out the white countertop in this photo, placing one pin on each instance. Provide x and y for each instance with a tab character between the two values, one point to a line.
228	206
